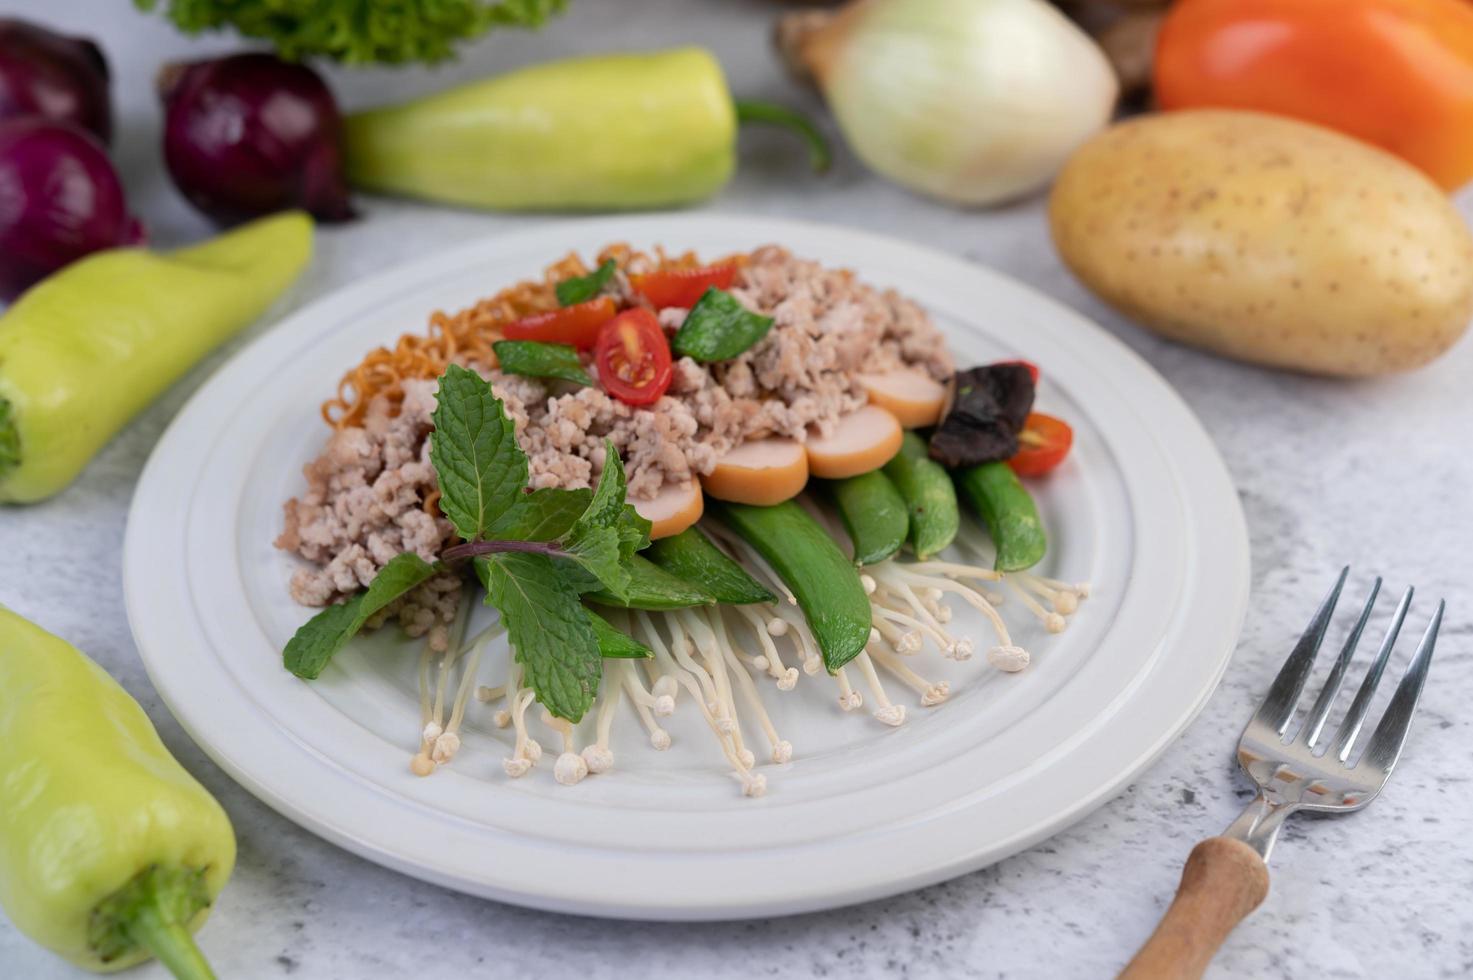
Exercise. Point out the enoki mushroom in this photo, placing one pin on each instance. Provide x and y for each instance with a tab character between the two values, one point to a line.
724	660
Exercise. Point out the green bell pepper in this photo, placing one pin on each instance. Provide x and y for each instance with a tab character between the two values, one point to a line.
85	350
618	131
109	850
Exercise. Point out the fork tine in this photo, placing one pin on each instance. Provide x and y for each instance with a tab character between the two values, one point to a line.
1277	709
1310	733
1391	732
1356	716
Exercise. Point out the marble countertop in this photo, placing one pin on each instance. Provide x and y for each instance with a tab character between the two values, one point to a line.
1373	473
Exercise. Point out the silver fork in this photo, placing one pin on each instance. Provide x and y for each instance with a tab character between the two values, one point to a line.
1226	877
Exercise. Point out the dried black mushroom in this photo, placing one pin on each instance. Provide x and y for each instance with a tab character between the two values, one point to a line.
992	402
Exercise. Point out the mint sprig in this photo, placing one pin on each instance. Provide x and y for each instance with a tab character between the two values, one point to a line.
536	552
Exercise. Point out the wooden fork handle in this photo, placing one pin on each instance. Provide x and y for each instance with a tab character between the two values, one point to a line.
1224	879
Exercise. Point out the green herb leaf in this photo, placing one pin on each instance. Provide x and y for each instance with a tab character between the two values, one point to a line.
719	328
549	629
581	289
607	505
634	531
614	644
596	543
595	551
534	359
322	636
356	32
542	515
651	587
475	454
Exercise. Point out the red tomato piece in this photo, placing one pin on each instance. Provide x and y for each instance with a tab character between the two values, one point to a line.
682	287
577	324
633	357
1042	445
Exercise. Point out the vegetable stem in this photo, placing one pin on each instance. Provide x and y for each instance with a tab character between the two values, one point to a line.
771	114
472	549
154	910
171	943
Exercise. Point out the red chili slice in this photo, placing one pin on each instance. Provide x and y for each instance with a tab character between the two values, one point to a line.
633	357
682	287
577	324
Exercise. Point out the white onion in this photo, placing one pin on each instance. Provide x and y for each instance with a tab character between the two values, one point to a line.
970	101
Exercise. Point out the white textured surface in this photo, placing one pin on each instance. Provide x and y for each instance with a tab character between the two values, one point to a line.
1371	473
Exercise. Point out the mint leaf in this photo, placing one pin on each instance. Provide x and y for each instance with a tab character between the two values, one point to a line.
322	636
542	515
718	328
651	587
581	289
534	359
549	630
596	552
634	532
474	450
607	505
596	543
614	645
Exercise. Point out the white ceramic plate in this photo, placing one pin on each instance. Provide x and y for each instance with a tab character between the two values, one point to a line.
1144	509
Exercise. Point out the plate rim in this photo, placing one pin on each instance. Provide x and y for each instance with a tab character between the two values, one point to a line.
1210	469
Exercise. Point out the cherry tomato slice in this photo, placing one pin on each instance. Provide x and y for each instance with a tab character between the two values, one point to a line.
577	324
1032	368
682	287
1042	445
633	357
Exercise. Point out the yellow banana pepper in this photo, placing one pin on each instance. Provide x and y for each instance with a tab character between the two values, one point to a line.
109	850
604	132
85	350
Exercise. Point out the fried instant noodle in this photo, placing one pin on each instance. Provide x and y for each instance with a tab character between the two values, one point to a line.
465	337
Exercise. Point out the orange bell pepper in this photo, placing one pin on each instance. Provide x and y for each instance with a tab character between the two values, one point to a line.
1396	73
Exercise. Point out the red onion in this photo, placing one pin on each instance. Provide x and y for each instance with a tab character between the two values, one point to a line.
47	74
251	134
60	199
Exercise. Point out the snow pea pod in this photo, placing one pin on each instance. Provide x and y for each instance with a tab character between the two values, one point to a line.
85	350
929	496
109	850
692	557
616	131
993	491
874	514
823	580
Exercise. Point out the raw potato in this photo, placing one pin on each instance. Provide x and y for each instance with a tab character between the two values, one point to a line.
676	507
1267	239
761	472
